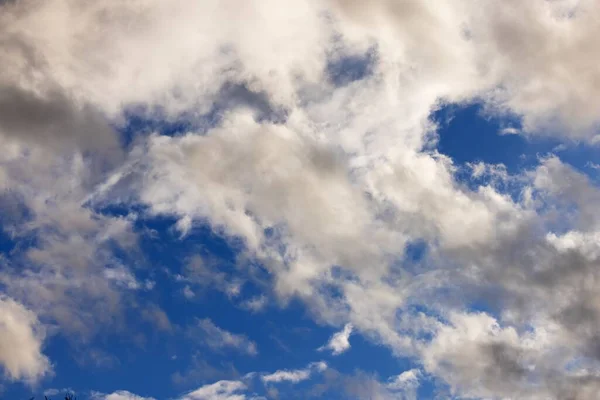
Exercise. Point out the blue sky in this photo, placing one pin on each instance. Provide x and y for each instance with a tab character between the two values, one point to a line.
292	200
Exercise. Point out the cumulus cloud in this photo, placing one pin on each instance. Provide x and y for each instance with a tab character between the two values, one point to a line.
21	341
218	339
339	342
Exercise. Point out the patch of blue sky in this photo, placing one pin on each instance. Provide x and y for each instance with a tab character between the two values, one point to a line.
368	355
7	242
13	212
415	250
142	120
468	134
348	68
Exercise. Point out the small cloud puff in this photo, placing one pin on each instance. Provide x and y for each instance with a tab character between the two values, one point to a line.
339	342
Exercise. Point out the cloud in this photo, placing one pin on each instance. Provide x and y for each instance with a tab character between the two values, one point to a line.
217	338
294	376
339	342
406	380
255	304
221	390
120	395
122	277
358	385
188	293
509	131
209	271
53	120
21	339
477	340
323	179
158	317
520	76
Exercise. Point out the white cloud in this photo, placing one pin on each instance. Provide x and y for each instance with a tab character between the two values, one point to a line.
221	390
339	342
406	380
294	376
218	338
509	131
21	339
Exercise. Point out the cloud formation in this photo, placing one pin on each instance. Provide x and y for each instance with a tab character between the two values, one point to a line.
294	376
322	179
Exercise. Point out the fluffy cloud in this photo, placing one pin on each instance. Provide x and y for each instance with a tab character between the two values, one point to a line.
21	339
339	341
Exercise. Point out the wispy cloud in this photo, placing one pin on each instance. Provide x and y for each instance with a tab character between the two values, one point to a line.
218	339
255	304
296	375
221	390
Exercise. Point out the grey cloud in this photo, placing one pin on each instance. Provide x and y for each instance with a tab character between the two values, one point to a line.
53	120
540	282
233	95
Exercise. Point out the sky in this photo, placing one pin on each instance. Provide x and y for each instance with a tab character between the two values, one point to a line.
299	199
